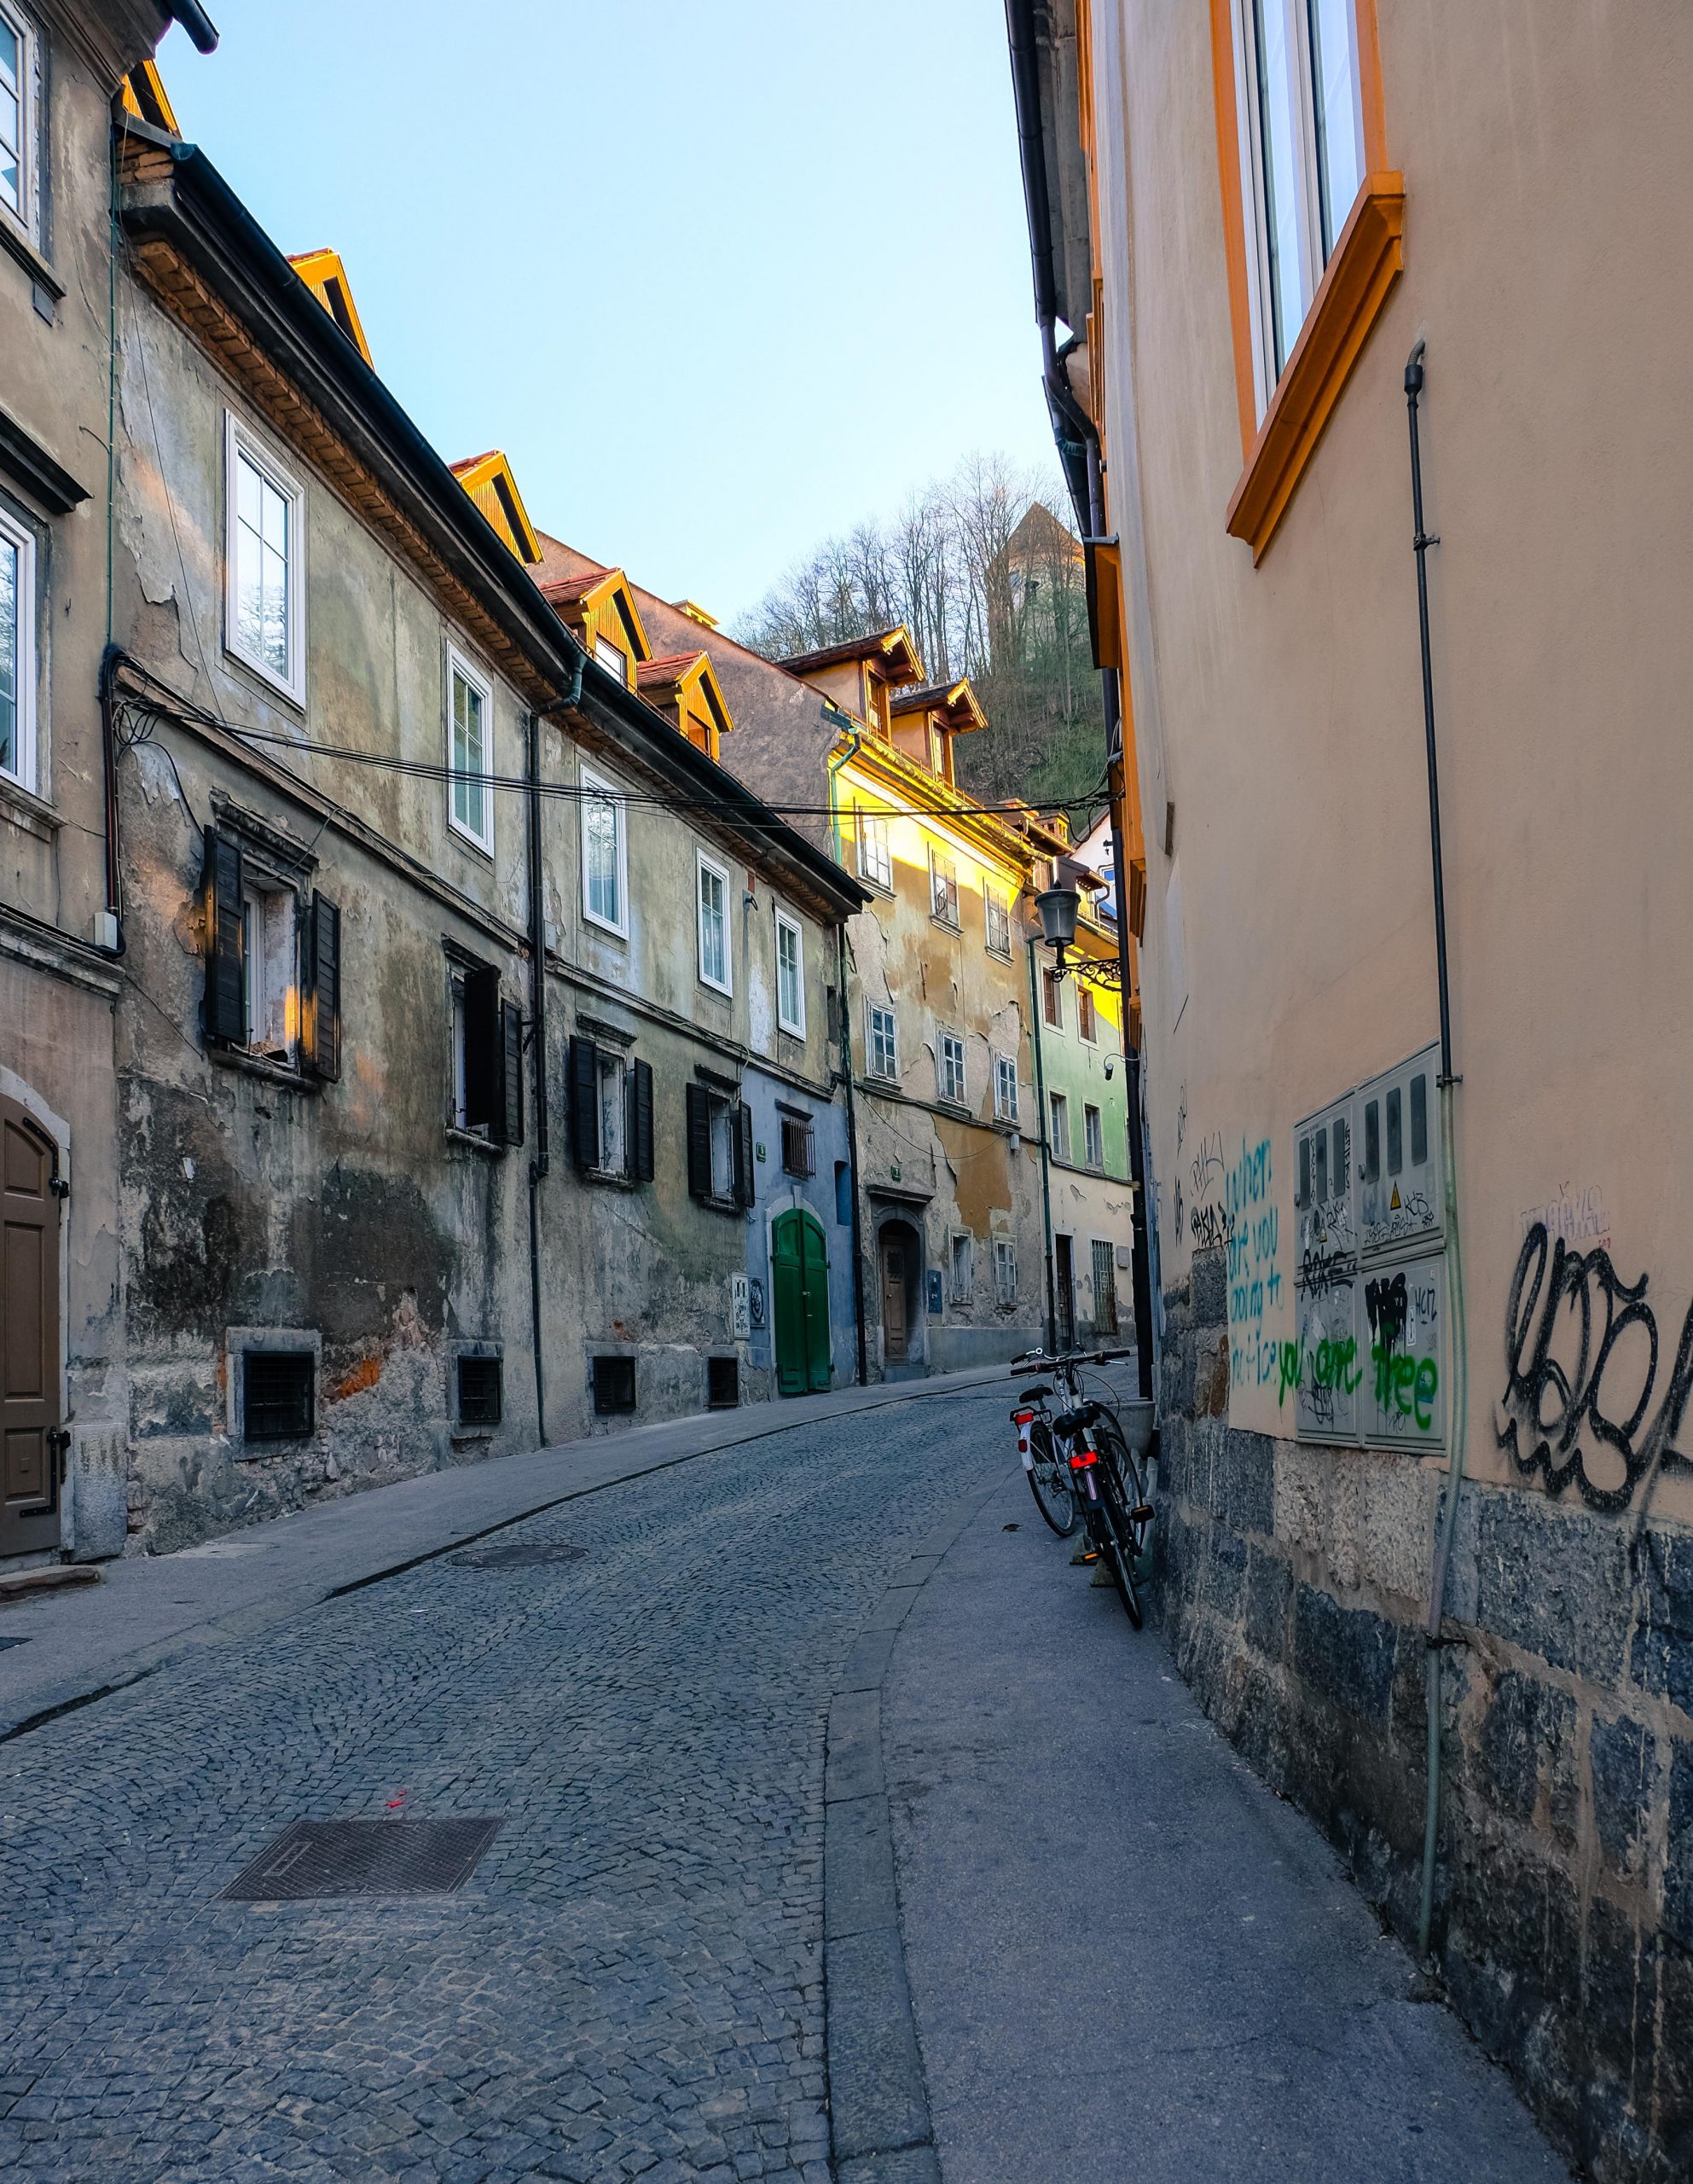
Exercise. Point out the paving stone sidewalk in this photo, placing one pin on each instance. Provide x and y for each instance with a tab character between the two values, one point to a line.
630	1983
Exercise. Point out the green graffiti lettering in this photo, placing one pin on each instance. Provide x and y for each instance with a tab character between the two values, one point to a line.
1290	1366
1427	1379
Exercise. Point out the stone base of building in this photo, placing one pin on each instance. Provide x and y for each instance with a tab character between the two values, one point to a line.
1292	1583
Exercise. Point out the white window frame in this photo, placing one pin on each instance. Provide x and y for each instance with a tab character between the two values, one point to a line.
943	881
23	771
873	1010
598	790
1307	182
950	1058
1004	1257
996	902
1058	1110
875	852
1093	1135
459	669
702	865
612	658
241	442
26	213
794	1024
960	1292
1005	1088
612	1070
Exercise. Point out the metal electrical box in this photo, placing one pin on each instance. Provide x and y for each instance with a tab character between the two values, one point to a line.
1368	1362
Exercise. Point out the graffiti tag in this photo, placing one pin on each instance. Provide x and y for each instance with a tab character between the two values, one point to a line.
1255	1276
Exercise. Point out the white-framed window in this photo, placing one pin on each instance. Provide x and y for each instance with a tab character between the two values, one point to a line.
613	1075
605	855
270	958
1301	158
1005	1088
1058	1109
712	901
1052	999
722	1123
944	888
885	1046
612	658
17	654
962	1268
470	751
1005	1269
1087	1016
875	858
952	1067
1093	1137
996	914
790	975
265	558
18	192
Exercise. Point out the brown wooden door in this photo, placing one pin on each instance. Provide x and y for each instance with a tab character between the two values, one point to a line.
893	1332
1066	1290
29	1336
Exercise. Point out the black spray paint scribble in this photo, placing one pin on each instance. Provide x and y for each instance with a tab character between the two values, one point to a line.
1582	1410
1386	1302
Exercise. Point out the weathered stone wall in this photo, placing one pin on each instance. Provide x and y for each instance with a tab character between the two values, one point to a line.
1293	1584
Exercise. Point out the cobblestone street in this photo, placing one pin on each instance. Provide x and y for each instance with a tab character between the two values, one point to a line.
630	1984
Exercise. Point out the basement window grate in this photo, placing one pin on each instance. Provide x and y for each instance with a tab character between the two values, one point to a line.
722	1383
276	1398
613	1386
365	1858
481	1391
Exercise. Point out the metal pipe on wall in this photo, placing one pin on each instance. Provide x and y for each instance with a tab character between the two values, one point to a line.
1046	1166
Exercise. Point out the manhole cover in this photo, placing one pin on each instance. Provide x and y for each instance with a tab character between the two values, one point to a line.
517	1555
365	1858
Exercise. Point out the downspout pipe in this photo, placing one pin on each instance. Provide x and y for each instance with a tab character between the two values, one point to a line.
1458	1378
855	737
541	1160
1045	1153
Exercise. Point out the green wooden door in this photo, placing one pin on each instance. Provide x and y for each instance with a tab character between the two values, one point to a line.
800	1270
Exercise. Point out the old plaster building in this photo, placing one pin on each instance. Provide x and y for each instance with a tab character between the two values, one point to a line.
62	1425
1356	338
436	1124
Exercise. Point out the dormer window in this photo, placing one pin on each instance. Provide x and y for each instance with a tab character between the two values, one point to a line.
873	704
612	658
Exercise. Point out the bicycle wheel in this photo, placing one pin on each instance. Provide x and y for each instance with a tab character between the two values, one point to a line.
1114	1537
1049	1481
1137	1514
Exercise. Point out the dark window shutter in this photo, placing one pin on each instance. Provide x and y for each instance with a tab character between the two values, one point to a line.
742	1150
698	1141
483	1094
584	1067
508	1117
323	988
641	1135
224	1011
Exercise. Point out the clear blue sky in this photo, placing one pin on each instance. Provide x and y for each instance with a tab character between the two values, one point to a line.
721	278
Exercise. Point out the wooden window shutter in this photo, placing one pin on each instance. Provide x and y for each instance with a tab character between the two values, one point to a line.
484	1093
584	1068
508	1115
323	951
223	1010
698	1141
640	1136
743	1149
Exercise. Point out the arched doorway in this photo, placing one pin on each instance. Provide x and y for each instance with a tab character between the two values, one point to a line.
901	1258
31	1434
800	1267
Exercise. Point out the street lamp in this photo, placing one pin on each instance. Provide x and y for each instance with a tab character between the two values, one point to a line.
1056	907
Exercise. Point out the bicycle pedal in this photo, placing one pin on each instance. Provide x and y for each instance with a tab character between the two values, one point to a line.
1143	1515
1083	1556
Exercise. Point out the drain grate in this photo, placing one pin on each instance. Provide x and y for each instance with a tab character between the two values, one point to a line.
365	1858
517	1555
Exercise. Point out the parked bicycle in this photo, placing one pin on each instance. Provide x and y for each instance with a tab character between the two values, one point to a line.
1076	1456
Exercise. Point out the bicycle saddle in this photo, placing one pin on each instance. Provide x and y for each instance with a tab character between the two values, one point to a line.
1034	1394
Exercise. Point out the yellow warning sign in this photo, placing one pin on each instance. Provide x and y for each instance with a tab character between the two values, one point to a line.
1392	1203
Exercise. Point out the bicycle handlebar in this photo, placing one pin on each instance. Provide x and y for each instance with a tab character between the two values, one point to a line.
1069	1357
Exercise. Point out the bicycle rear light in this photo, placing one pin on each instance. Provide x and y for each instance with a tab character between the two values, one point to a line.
1082	1458
1022	1418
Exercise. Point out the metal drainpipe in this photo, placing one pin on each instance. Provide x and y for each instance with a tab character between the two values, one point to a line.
855	737
1458	1383
1046	1158
541	1161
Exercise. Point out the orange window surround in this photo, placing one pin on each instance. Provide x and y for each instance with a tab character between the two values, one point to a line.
1367	258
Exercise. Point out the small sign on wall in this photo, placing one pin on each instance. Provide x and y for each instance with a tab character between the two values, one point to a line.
740	1308
936	1300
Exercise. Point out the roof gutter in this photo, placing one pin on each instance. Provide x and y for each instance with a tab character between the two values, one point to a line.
201	30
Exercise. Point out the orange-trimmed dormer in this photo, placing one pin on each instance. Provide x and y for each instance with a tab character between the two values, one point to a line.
599	608
489	481
326	276
146	97
924	720
683	686
861	675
